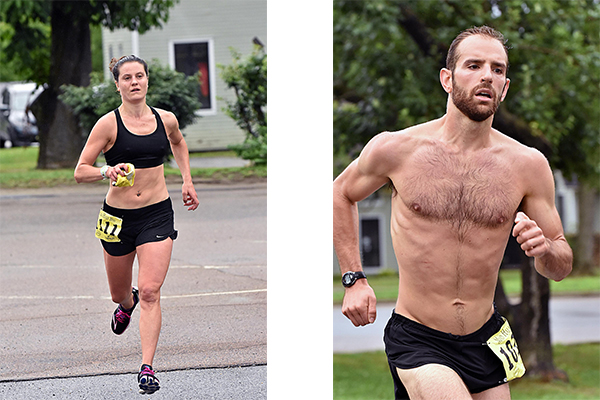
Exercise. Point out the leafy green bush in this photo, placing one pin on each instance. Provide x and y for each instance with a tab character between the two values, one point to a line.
253	148
248	78
167	89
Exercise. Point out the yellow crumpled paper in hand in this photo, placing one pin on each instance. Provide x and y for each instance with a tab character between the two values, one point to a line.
126	180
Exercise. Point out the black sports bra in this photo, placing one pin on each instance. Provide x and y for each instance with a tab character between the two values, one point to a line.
143	151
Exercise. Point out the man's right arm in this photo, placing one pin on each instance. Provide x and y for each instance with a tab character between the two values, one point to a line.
360	179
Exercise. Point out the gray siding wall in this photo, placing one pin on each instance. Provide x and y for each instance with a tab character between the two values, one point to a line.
226	24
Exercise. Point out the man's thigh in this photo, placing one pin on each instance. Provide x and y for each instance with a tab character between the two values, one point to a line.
501	392
433	382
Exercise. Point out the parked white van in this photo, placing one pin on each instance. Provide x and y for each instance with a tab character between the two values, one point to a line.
17	123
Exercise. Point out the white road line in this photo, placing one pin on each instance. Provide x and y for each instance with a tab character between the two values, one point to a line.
108	298
53	298
95	267
212	294
214	266
35	266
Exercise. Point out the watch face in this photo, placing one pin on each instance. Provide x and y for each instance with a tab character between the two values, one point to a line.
347	278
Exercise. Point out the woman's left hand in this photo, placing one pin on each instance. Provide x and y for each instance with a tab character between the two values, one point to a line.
190	198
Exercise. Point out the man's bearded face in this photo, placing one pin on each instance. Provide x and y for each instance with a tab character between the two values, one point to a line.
469	104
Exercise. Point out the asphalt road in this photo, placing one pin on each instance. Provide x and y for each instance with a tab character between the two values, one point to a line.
236	383
55	305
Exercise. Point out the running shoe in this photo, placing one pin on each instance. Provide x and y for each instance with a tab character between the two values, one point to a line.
147	381
121	317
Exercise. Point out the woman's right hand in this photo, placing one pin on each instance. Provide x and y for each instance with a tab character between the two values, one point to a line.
113	173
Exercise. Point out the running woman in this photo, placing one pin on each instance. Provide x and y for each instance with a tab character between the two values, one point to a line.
137	215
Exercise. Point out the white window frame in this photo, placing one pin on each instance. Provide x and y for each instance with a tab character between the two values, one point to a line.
382	240
211	70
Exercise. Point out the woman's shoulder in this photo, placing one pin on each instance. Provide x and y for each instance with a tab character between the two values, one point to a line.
164	113
168	118
107	121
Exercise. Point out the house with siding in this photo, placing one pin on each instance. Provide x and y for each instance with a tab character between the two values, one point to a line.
198	37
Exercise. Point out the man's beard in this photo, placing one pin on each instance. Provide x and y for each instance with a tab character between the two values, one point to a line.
468	103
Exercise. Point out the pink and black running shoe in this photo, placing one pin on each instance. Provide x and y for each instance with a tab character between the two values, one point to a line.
121	317
147	381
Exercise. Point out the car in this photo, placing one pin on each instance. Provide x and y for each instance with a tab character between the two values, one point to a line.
17	123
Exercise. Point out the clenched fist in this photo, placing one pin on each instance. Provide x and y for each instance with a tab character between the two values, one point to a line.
530	236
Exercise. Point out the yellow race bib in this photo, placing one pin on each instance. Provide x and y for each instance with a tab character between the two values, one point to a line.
504	345
108	227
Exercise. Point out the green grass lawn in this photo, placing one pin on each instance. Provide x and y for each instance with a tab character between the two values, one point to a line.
18	169
386	285
511	279
366	376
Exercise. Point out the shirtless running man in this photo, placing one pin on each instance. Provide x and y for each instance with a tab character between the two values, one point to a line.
458	187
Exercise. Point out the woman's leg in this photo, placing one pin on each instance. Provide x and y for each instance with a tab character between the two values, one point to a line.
119	274
154	259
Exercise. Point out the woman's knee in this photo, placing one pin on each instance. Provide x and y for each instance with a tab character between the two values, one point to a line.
149	293
120	296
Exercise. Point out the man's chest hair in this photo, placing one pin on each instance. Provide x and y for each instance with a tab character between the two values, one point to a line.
464	191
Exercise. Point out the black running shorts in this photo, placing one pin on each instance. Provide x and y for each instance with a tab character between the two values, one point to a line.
153	223
409	344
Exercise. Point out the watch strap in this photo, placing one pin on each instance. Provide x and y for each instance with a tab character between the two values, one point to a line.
359	275
103	171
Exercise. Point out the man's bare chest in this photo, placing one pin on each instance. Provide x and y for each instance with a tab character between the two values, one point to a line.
479	190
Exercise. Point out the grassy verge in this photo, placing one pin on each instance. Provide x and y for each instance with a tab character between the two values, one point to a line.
511	279
386	285
367	376
18	170
232	174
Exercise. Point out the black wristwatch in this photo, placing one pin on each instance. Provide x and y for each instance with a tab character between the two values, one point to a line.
350	278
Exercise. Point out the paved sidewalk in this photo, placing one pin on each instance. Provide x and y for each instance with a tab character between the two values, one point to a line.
237	383
214	162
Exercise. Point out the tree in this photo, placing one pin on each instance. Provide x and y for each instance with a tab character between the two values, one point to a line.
248	78
387	55
34	33
61	137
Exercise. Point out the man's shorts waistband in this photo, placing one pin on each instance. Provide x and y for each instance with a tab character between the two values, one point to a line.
488	329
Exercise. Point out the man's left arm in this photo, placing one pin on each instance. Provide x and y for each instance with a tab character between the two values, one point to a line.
538	228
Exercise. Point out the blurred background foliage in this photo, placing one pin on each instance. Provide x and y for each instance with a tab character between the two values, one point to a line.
167	89
387	57
248	78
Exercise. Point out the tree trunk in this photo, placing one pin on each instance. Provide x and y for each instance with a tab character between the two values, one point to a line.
535	345
530	322
584	250
61	137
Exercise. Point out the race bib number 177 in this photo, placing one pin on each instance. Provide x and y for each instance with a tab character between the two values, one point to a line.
108	227
504	345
